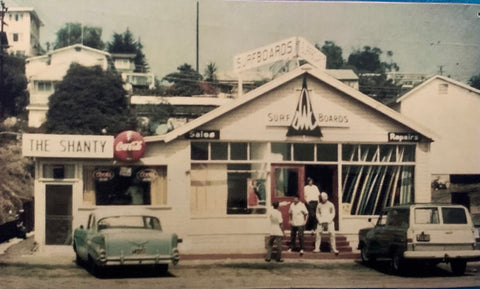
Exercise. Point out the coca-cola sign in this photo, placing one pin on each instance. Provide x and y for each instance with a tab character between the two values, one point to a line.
129	146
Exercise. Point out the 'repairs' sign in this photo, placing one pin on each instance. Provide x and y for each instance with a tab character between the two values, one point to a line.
403	137
67	146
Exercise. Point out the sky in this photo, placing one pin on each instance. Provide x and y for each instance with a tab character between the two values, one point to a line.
425	38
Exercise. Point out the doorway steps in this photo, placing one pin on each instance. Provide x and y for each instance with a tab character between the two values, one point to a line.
343	246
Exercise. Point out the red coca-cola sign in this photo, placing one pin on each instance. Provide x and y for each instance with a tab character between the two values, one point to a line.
129	146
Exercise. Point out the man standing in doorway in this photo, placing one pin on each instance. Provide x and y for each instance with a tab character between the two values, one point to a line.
325	214
276	233
312	195
298	216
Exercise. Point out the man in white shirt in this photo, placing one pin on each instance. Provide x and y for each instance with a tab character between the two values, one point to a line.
298	216
312	195
325	214
276	233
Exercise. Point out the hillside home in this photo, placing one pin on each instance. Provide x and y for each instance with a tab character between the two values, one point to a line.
23	31
44	71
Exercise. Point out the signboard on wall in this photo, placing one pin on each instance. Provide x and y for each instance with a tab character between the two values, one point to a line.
294	47
67	146
403	137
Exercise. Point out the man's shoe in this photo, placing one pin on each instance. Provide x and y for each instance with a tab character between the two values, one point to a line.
267	260
301	252
280	261
289	250
316	251
335	251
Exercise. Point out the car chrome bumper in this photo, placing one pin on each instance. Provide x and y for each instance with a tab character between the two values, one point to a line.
470	255
173	259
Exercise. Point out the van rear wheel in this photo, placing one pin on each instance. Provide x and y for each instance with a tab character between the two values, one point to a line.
458	267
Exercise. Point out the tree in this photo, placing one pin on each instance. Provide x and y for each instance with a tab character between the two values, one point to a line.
186	81
73	33
475	81
126	43
14	90
95	96
209	86
372	73
333	53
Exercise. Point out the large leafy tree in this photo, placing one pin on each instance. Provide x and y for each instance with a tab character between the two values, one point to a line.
333	53
14	95
186	81
126	43
73	33
475	81
372	72
89	100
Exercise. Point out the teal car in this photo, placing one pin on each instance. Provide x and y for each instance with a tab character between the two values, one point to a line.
121	240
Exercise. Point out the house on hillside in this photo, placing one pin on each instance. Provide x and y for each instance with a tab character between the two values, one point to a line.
451	110
44	71
23	31
124	63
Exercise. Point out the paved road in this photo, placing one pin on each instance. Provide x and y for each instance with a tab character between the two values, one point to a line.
60	271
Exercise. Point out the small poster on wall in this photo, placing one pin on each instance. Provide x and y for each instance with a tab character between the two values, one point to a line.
256	193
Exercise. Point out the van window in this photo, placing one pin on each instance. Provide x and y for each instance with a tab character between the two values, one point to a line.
426	216
454	216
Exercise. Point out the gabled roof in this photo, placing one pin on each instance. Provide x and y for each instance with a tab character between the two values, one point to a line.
430	80
75	46
305	69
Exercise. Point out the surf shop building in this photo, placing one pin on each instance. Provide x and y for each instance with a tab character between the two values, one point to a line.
213	179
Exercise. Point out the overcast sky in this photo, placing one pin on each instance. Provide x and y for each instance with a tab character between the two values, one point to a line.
423	37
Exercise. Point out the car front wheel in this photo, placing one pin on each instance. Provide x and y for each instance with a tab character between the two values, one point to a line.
398	263
366	257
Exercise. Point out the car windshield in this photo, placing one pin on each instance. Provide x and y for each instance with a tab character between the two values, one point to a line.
140	222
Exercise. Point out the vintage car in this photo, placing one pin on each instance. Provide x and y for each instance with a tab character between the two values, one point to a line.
117	240
428	233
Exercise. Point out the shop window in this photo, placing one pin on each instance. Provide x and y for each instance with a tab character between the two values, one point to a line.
136	185
286	182
303	152
238	151
350	152
246	193
367	189
199	150
283	150
257	151
58	171
219	151
327	152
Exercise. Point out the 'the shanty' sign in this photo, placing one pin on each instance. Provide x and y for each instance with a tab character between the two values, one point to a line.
294	47
67	146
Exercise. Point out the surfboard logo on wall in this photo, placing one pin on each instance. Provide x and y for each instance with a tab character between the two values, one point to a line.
304	120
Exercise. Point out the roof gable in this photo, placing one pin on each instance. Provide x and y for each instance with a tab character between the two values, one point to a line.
427	82
281	80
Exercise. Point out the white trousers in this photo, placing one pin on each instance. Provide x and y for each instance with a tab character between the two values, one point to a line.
325	228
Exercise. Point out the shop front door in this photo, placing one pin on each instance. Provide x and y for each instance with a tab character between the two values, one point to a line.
58	214
287	183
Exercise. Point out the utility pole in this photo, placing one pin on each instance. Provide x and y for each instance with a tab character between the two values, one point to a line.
197	33
3	45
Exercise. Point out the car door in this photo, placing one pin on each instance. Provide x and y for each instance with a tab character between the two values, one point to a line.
376	237
81	237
